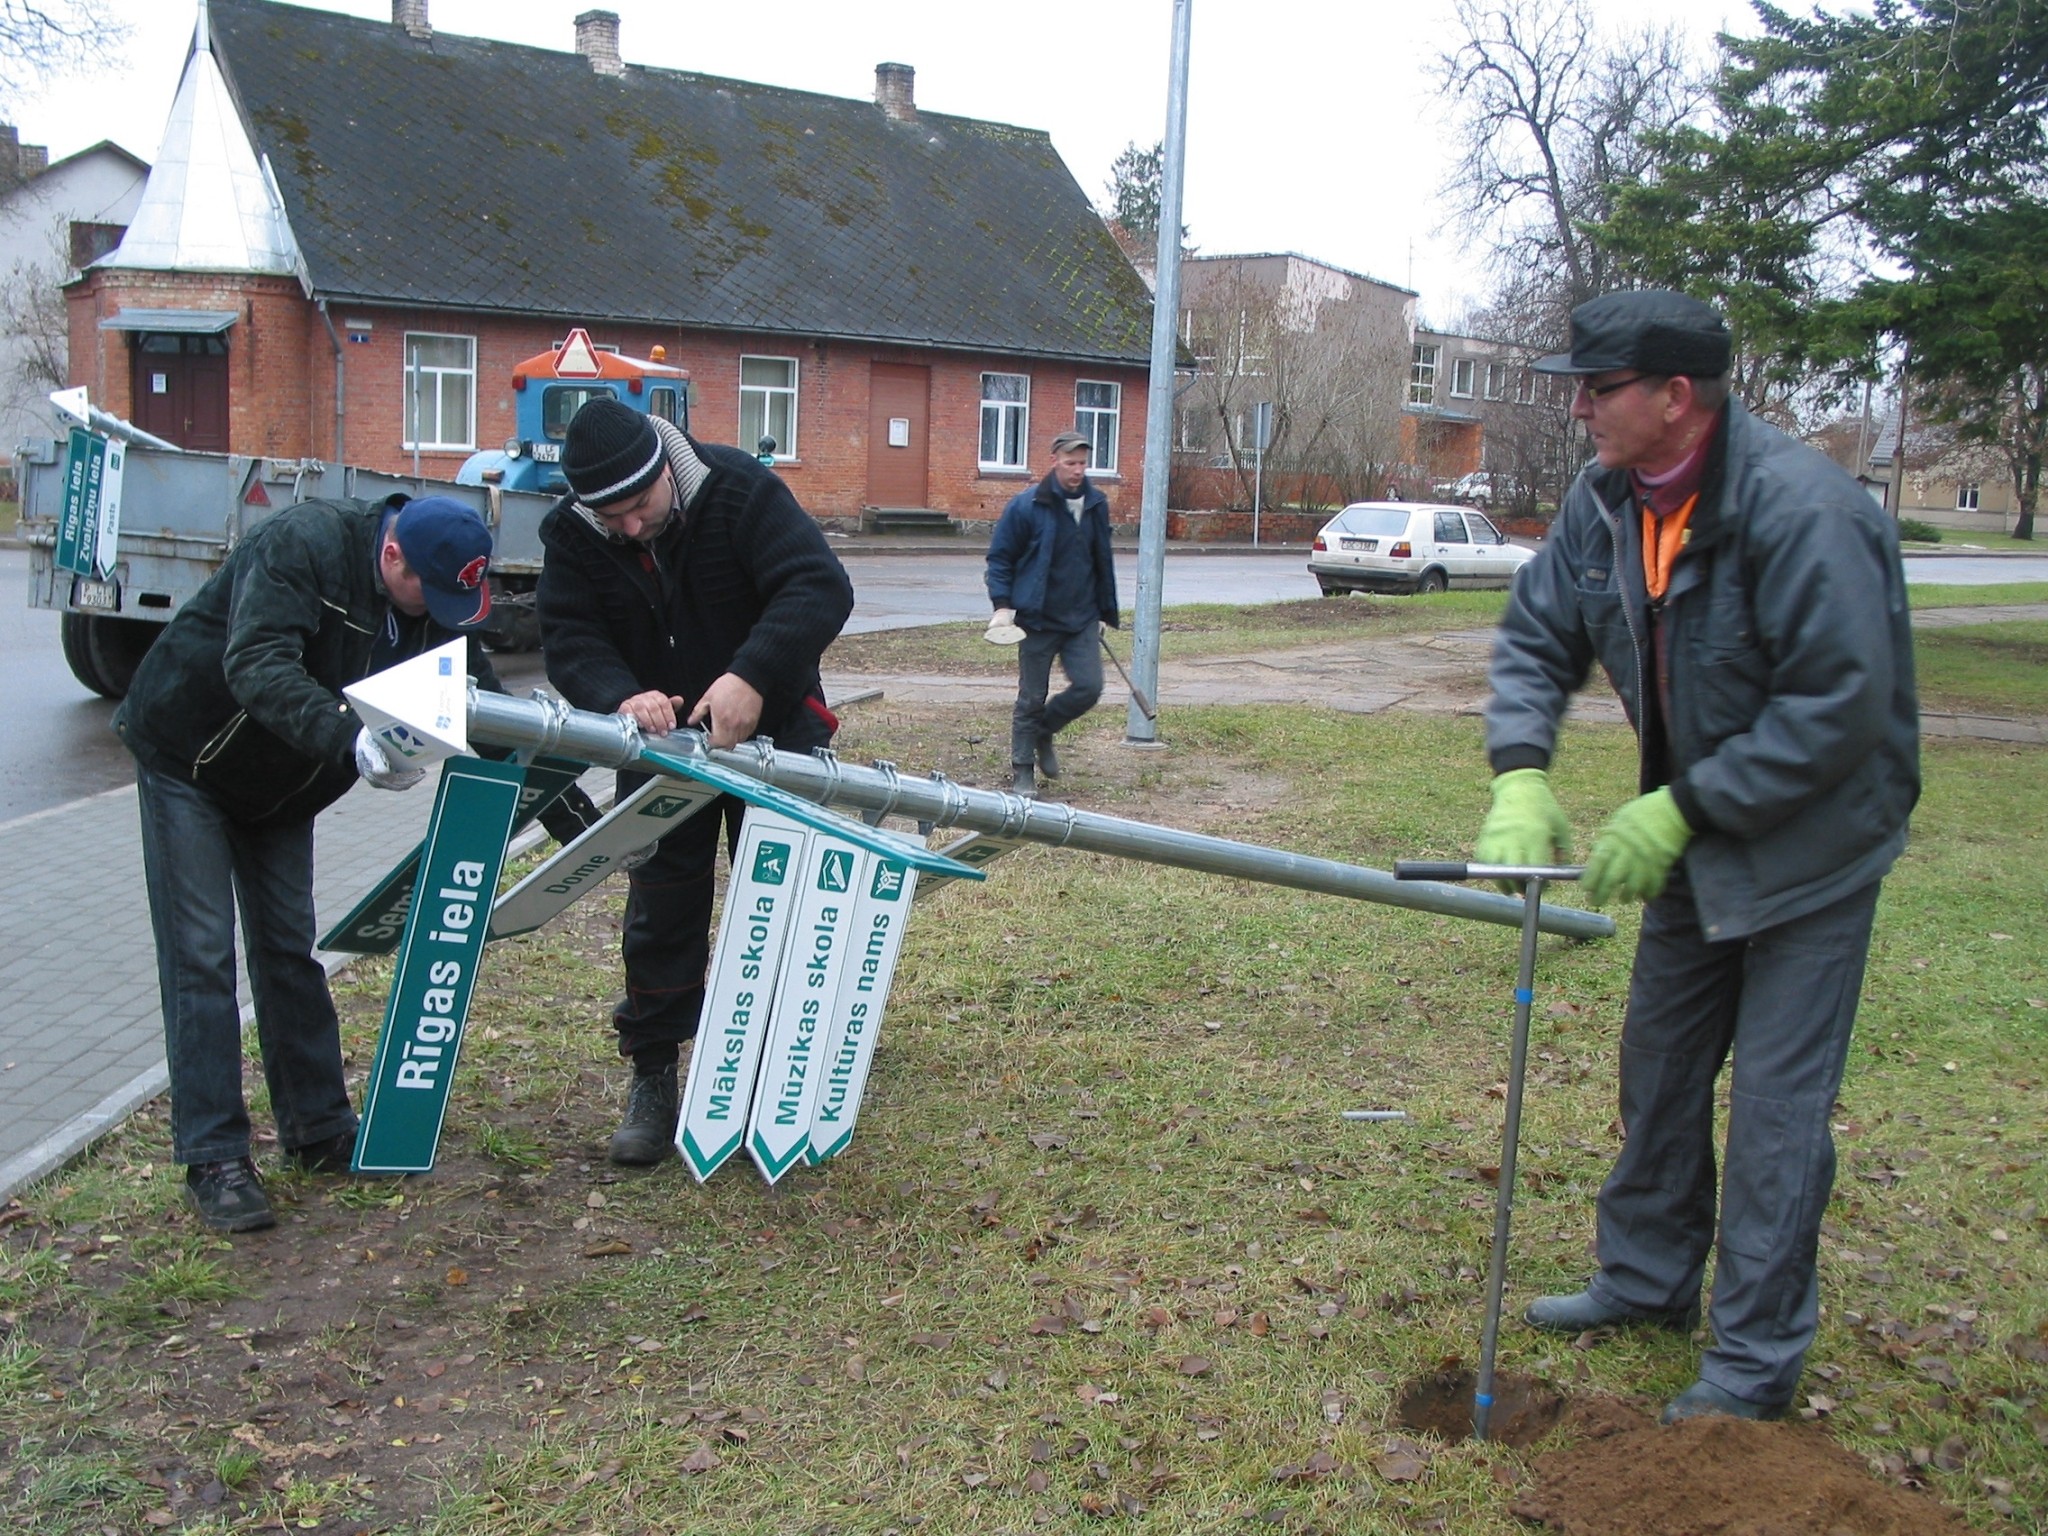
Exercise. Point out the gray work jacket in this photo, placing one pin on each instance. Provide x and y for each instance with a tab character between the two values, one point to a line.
1793	737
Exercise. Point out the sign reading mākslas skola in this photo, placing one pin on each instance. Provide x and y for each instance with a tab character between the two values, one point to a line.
759	899
407	1096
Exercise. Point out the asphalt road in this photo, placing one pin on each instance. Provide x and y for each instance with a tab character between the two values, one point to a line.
55	745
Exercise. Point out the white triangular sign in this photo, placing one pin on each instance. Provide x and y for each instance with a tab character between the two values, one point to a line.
578	358
419	708
71	404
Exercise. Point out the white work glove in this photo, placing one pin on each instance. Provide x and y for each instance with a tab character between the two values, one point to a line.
1002	629
375	764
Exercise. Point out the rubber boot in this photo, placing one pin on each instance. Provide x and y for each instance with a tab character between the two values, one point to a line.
648	1133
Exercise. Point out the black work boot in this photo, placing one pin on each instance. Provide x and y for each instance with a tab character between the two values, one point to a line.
1022	780
229	1196
1048	759
648	1133
332	1155
1582	1310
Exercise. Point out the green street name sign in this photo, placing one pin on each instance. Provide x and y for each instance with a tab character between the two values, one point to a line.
406	1099
91	522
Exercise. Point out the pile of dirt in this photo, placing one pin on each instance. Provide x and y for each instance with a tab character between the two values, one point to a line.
1626	1475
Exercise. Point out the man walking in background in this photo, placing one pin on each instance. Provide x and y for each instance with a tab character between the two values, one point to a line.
1051	574
1745	598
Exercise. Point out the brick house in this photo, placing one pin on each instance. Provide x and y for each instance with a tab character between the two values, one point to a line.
912	304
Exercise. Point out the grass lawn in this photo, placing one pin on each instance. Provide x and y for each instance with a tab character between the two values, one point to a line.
1957	538
10	514
1102	1248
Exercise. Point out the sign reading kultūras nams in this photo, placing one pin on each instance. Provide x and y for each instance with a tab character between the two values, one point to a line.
406	1098
867	967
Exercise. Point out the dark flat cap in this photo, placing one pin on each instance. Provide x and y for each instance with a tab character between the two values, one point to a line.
1649	329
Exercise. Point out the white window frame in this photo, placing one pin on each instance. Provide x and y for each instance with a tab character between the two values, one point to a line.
1100	424
767	396
1013	422
1464	377
1969	496
1496	381
435	379
1423	358
1525	386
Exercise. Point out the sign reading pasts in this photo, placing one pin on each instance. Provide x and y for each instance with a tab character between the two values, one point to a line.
91	522
407	1096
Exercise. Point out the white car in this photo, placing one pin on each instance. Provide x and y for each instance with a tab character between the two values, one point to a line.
1405	546
1480	489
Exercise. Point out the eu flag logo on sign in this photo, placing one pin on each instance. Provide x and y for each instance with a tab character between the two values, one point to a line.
447	666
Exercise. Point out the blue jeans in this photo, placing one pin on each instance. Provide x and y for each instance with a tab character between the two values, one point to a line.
1080	655
199	863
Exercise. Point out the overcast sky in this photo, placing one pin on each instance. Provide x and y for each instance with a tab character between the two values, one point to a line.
1312	125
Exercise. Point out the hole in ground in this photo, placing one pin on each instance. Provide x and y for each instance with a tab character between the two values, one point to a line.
1524	1409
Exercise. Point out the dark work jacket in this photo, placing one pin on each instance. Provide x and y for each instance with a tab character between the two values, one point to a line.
241	693
741	581
1020	553
1793	742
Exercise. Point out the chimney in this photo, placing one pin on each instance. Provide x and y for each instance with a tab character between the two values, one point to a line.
896	92
412	15
597	39
35	159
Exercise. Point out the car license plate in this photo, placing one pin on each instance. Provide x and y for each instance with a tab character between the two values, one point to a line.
1363	546
547	453
100	596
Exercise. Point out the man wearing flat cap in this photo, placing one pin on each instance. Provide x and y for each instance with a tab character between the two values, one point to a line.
241	736
683	585
1051	575
1745	599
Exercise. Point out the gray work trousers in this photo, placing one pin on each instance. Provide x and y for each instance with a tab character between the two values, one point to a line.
1080	657
1783	1001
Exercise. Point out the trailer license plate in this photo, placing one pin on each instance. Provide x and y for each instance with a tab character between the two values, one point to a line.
101	596
547	453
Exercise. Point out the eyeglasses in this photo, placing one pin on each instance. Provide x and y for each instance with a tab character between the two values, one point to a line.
1602	391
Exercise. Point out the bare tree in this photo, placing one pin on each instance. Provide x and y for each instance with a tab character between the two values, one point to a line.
34	326
41	38
1327	351
1551	118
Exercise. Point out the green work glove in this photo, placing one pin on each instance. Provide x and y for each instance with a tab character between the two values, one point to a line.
1634	852
1526	824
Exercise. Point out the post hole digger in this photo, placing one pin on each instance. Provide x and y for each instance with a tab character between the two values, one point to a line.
1532	878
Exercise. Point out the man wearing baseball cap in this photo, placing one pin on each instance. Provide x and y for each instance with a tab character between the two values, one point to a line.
683	585
1745	599
241	736
1051	576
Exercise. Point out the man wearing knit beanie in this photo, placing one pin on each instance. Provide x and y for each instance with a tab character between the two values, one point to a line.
683	585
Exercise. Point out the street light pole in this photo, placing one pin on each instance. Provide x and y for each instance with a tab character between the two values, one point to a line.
1159	411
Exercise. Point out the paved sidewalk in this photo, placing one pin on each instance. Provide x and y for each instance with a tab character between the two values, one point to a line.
81	1033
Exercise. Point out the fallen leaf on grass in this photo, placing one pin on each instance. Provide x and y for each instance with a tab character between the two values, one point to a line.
1403	1461
702	1459
458	1276
1048	1326
1260	1325
1196	1365
931	1340
607	1250
1319	1466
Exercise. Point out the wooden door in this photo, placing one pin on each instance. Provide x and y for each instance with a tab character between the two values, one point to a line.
899	426
181	389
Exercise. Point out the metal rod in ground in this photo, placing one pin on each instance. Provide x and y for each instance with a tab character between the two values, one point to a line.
1510	1141
614	741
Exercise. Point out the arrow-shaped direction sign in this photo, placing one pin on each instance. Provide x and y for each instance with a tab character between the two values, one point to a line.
642	819
419	708
809	814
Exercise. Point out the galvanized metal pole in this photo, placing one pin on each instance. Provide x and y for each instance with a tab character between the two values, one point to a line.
1160	396
614	741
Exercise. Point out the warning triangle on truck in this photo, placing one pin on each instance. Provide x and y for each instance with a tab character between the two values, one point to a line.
578	358
419	708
